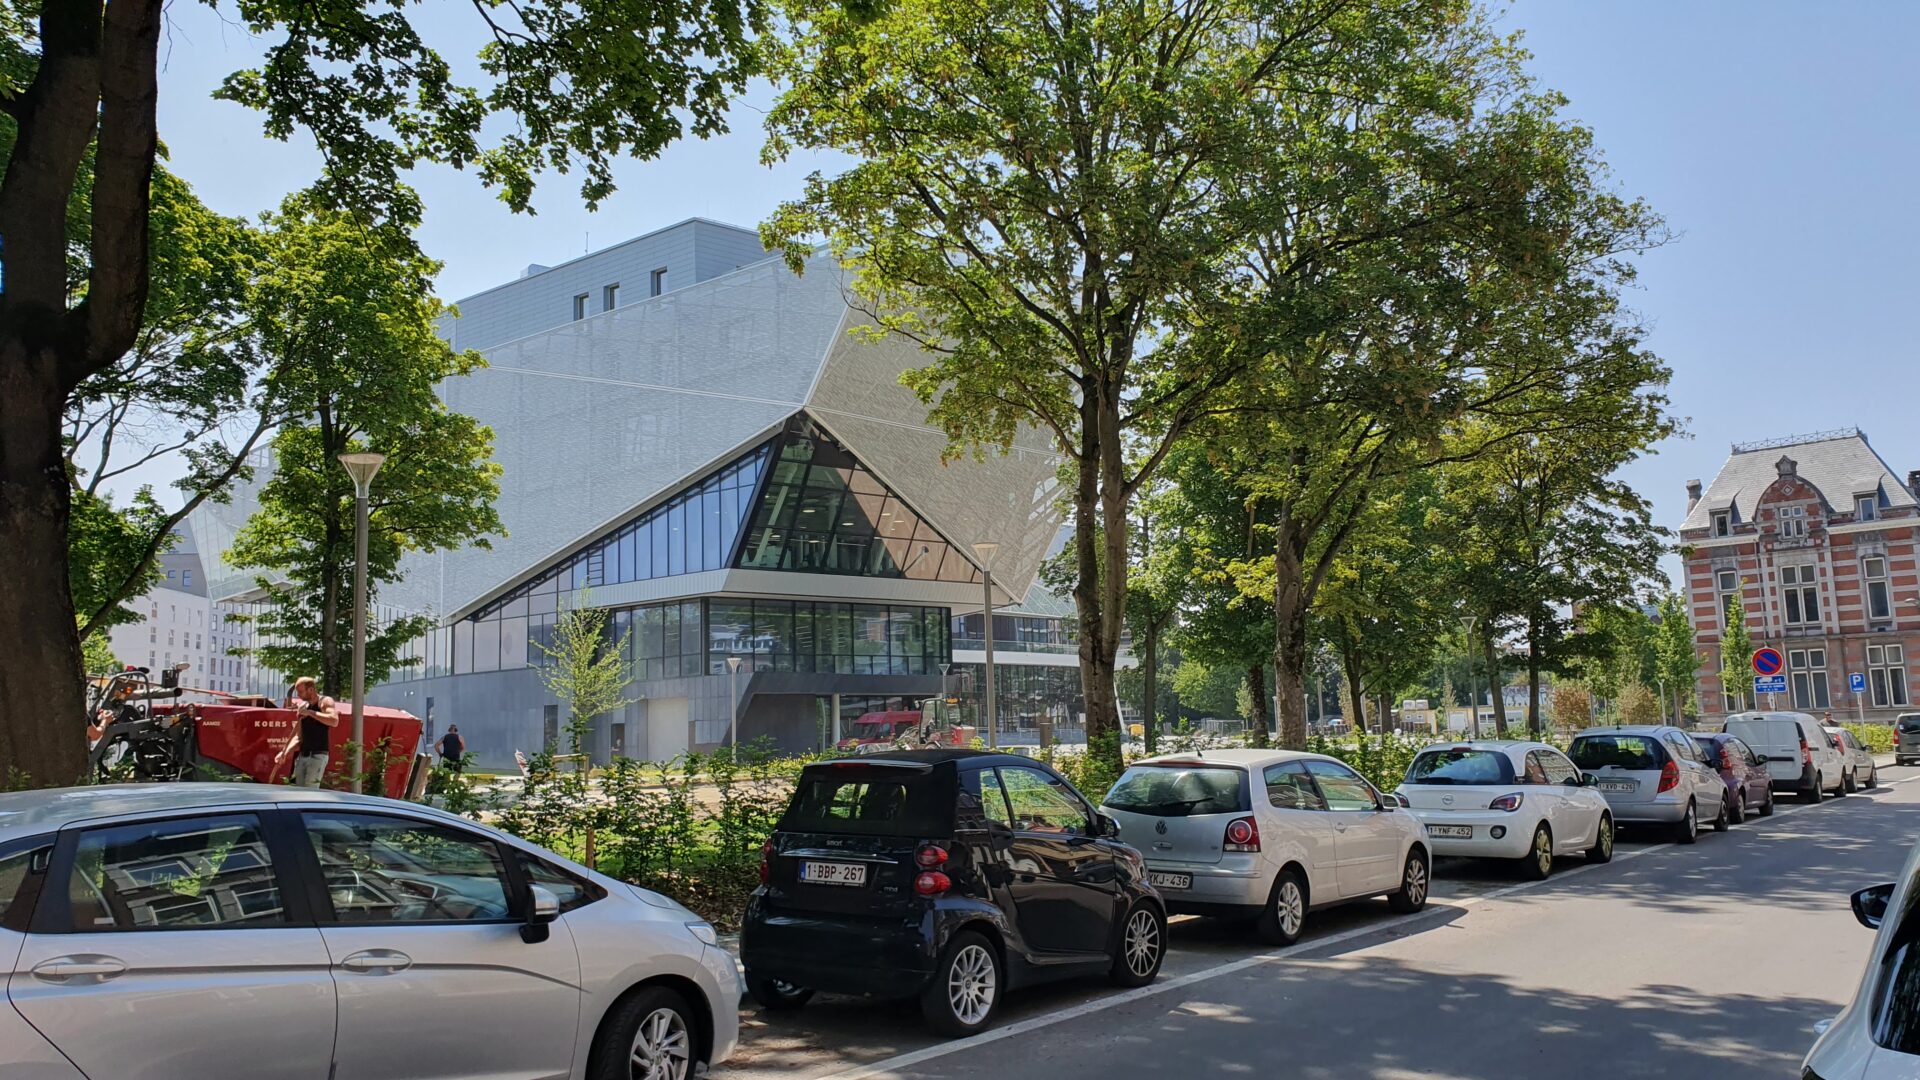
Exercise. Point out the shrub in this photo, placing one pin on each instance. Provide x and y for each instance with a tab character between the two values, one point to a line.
1877	738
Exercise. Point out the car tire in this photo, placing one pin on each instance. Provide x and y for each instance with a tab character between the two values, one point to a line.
1850	782
654	1023
1873	778
1722	821
1814	794
775	995
1689	828
1537	863
1766	808
1602	849
1416	880
1143	945
1286	913
1737	809
967	985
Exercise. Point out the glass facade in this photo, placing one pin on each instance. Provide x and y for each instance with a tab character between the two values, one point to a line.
822	512
799	635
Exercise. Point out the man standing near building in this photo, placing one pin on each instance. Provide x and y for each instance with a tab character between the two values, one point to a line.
318	716
453	749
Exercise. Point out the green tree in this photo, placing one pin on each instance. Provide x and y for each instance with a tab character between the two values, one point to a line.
1208	689
1158	578
1736	653
564	86
1225	624
344	312
1676	656
1040	202
99	654
585	668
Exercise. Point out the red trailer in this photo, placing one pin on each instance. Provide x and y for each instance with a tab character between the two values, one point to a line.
259	742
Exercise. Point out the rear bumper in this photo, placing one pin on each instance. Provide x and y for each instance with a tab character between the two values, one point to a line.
1667	808
841	954
1515	841
1800	781
1215	890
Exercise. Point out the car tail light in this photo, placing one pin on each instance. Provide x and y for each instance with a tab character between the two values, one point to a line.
1669	776
930	856
932	883
1508	802
766	852
1242	835
1806	752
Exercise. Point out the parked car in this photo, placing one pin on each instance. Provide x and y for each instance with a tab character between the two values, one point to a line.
950	875
1906	738
1858	756
1799	757
1268	836
1877	1036
176	930
1653	774
1749	788
1520	801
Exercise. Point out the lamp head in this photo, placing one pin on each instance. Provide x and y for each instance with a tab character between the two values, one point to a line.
985	550
362	466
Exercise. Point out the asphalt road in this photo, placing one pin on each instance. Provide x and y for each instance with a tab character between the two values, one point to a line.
1710	961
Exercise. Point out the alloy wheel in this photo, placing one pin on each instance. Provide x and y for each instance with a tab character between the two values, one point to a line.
1290	907
971	984
1543	851
1606	837
662	1049
1415	883
1142	942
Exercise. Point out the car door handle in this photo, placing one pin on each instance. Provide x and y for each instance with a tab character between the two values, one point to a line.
377	962
1339	828
84	967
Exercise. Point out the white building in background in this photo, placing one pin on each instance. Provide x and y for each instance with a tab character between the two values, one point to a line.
176	618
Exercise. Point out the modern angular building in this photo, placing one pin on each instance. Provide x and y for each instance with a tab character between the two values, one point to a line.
1818	538
697	439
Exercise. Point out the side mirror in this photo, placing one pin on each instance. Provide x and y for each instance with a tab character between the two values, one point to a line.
1870	904
542	908
1574	781
1104	825
1393	800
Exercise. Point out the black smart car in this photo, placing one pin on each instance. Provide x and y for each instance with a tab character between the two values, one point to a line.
951	875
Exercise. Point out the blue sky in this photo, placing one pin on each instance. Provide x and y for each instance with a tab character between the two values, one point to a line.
1776	138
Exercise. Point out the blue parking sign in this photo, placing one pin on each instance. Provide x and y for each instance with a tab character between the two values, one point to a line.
1856	682
1770	684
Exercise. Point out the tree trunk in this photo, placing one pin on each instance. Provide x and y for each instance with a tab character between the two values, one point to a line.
1533	677
1150	679
42	696
1257	713
1290	604
1096	650
1494	684
1356	693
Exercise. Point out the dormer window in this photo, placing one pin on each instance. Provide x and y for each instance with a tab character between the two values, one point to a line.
1793	521
1866	508
1722	523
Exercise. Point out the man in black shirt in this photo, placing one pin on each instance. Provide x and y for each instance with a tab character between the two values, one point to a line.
453	749
317	716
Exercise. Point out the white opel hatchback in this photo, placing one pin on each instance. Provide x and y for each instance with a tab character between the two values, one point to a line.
1267	836
1877	1037
152	932
1519	801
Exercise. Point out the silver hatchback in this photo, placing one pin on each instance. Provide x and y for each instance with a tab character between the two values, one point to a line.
196	930
1653	774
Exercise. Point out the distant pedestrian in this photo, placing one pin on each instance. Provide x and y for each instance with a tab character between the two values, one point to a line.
453	749
318	716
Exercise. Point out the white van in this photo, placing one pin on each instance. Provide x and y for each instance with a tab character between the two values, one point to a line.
1798	755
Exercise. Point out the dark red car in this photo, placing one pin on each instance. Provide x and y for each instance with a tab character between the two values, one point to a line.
1745	774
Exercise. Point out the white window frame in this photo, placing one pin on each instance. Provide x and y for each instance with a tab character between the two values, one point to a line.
1722	523
579	306
1875	591
609	296
1887	675
1791	521
1800	594
657	282
1725	591
1807	678
1866	508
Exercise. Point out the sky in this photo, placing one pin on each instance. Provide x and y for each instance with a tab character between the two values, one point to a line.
1776	139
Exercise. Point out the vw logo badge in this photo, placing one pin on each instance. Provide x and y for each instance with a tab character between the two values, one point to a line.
1446	800
1160	827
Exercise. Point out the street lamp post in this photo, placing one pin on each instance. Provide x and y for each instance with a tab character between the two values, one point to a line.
733	706
985	550
361	467
1473	703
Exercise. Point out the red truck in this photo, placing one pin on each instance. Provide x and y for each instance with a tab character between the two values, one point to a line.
885	729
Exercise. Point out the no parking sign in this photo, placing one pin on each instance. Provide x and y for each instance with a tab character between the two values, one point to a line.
1768	661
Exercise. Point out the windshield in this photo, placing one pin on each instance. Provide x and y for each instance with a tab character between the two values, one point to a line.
877	801
872	729
1179	790
1636	753
1460	766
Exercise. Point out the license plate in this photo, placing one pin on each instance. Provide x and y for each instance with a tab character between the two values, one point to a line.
833	873
1451	832
1170	881
1618	785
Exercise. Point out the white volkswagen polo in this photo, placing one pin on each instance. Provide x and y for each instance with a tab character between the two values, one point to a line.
1522	801
1267	835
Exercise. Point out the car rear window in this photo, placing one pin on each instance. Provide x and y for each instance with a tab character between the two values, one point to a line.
1909	724
1634	752
1460	766
1179	790
872	800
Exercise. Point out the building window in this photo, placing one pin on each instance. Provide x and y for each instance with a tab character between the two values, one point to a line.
580	306
1722	524
610	297
657	282
1887	676
1809	678
1793	521
1801	594
153	634
1729	582
1866	508
1879	598
186	579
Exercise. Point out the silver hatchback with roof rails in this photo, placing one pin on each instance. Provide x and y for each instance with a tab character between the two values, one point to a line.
149	932
1653	774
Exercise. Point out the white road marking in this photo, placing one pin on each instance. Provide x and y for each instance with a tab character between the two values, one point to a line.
887	1069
